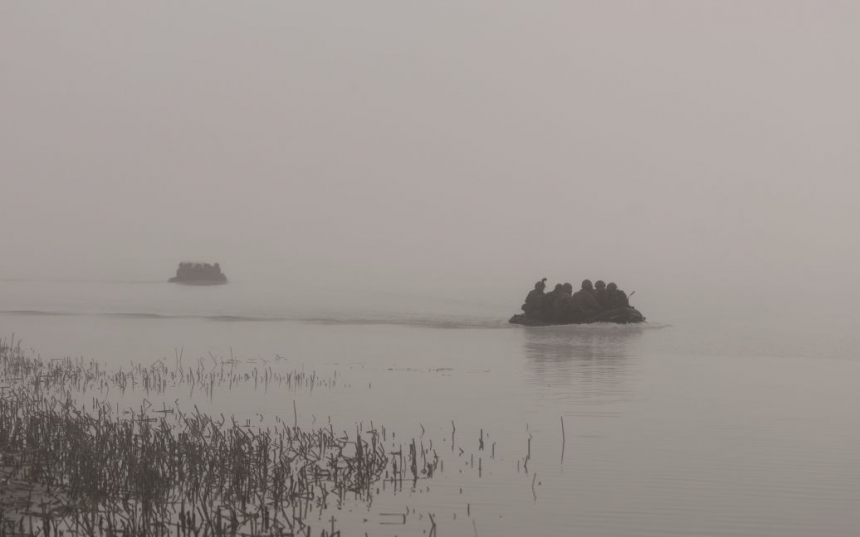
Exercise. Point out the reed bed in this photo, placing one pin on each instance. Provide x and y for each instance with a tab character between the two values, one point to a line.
72	469
202	377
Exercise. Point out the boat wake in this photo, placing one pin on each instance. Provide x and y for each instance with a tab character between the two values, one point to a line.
418	321
332	320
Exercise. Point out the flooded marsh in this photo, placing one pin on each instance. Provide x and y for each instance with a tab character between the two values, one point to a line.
254	419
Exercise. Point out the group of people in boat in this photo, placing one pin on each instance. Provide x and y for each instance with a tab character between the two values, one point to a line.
562	305
199	271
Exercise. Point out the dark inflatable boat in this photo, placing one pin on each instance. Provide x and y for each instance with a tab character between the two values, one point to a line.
199	274
616	316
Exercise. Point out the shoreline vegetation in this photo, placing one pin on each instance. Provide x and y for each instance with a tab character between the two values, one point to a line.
73	468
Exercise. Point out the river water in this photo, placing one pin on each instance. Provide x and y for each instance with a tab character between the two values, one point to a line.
701	422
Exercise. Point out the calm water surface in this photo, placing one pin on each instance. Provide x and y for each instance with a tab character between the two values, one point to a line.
699	423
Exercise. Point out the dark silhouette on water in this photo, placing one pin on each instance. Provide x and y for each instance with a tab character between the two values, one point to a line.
199	274
561	306
535	298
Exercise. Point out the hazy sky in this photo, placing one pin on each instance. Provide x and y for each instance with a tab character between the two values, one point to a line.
670	146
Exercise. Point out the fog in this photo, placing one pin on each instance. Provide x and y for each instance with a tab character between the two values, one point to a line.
704	149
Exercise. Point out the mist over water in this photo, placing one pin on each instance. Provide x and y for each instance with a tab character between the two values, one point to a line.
383	182
697	150
705	427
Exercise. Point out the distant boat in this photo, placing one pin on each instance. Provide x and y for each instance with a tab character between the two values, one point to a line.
199	274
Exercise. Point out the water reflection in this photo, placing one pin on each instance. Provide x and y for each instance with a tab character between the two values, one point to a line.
582	363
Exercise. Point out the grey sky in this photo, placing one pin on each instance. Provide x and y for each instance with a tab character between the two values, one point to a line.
457	145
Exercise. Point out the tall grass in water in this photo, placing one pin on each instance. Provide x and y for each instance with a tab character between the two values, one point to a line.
67	469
